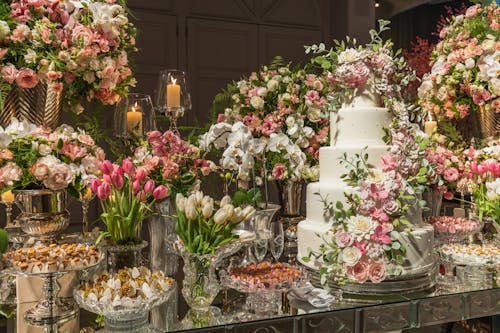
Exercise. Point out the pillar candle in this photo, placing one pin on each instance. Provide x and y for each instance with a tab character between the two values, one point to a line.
8	196
173	95
134	119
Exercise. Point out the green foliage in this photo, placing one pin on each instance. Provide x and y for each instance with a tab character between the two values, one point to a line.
4	240
252	197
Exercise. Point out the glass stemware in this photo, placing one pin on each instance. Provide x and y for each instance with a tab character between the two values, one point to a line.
85	199
277	241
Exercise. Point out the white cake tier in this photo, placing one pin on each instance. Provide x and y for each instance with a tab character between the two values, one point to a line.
360	126
330	168
419	244
331	192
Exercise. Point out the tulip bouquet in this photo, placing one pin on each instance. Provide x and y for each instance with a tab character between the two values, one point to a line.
204	225
127	194
34	157
80	47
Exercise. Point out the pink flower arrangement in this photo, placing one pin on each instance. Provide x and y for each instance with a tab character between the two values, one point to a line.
464	73
171	161
35	157
372	68
276	104
79	47
126	194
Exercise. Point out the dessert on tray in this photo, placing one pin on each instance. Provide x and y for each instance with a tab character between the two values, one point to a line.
53	258
450	228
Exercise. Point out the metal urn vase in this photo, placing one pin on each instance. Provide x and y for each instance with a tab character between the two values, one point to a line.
40	105
43	212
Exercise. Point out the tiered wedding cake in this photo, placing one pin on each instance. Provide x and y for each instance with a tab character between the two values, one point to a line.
355	127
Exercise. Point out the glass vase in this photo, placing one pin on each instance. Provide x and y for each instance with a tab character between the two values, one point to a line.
260	224
201	284
121	256
434	201
161	226
291	198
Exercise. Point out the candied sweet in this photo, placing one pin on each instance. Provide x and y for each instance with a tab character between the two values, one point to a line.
265	275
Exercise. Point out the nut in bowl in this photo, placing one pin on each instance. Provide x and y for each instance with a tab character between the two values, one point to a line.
124	298
454	229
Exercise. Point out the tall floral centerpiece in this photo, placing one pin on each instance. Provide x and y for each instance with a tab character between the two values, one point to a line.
178	165
43	164
127	194
206	236
273	127
463	86
53	53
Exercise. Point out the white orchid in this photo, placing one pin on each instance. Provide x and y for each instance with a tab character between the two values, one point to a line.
278	142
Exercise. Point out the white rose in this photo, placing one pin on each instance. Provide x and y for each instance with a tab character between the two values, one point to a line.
272	85
470	63
60	176
44	149
286	97
257	102
489	44
4	30
494	84
459	67
314	114
262	92
286	79
351	255
290	121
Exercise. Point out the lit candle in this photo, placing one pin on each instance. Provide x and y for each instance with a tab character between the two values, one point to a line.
173	95
430	125
8	196
88	194
134	119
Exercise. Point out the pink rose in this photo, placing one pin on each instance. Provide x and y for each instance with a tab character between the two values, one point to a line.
40	171
343	239
59	177
10	173
34	3
2	53
472	11
53	75
170	169
451	174
9	73
57	87
358	272
6	154
377	272
279	171
26	78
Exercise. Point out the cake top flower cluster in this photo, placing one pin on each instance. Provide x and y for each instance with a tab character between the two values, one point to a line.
79	47
374	68
465	66
34	157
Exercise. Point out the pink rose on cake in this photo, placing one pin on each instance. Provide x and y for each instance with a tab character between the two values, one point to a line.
358	272
343	239
377	272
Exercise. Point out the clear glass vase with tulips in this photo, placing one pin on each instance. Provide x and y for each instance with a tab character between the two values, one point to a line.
127	194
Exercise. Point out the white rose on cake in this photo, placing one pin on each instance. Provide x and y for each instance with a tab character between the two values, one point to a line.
351	255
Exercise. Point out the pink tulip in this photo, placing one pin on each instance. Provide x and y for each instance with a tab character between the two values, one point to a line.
94	185
142	196
140	174
106	167
136	185
106	179
161	192
473	167
128	167
117	169
149	186
117	180
104	191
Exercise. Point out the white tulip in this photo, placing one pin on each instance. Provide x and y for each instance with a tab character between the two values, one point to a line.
180	202
191	213
207	210
248	212
220	216
237	215
199	197
207	200
226	200
229	208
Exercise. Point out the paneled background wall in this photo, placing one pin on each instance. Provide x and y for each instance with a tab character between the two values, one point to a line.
218	41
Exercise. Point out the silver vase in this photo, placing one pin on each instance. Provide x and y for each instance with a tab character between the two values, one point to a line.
161	256
43	212
291	198
40	105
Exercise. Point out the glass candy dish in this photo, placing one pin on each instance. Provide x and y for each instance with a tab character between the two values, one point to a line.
125	298
454	229
264	284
